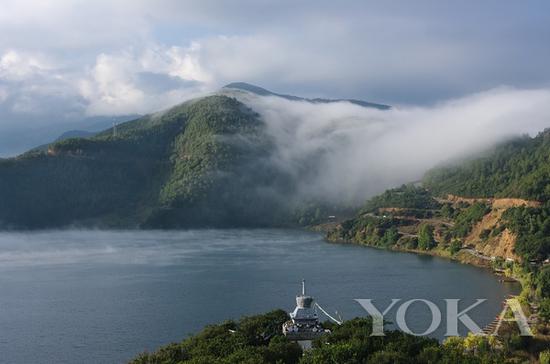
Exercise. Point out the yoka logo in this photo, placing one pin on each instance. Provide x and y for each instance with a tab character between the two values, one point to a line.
451	321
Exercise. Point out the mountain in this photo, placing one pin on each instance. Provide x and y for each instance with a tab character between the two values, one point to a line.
201	163
263	92
208	162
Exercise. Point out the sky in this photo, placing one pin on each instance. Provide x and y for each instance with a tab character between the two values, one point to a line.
65	61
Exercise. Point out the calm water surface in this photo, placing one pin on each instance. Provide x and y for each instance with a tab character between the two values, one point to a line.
104	296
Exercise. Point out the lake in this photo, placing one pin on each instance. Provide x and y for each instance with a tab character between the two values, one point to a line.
105	296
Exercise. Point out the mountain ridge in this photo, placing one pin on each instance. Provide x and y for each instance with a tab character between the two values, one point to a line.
264	92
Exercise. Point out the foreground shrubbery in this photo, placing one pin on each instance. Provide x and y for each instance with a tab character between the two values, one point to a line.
251	340
258	339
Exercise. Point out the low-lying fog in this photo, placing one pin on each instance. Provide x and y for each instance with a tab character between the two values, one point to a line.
144	247
45	248
363	151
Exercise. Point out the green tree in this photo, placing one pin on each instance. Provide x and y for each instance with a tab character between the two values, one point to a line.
426	239
455	247
447	211
391	236
484	234
543	282
544	309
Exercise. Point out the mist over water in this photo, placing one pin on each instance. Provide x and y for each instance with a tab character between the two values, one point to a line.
105	296
82	247
341	152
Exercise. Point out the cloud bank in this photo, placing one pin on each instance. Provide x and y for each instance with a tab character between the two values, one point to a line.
344	152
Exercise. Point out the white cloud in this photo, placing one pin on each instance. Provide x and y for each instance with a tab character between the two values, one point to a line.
109	88
15	65
115	84
176	61
32	85
360	152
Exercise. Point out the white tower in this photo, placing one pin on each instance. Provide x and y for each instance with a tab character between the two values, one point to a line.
303	325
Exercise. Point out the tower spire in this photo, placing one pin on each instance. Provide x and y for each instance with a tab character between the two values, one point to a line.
303	287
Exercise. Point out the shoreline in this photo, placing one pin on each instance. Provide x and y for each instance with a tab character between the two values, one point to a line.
461	257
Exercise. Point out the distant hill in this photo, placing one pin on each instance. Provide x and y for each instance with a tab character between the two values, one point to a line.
92	126
75	134
263	92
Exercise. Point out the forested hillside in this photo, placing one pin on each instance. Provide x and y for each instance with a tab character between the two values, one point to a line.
220	172
519	168
201	163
